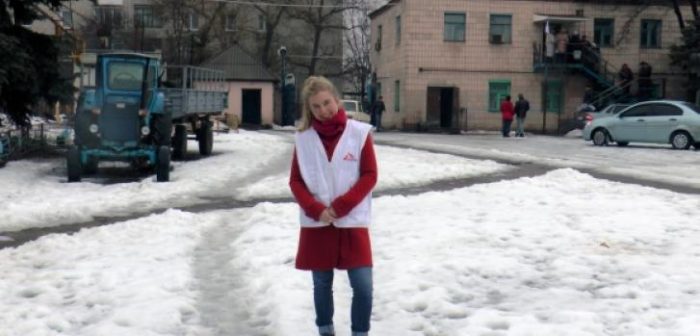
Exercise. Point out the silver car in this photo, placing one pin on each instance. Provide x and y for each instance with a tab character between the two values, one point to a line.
659	121
353	109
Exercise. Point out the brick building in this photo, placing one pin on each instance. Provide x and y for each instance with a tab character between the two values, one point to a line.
448	63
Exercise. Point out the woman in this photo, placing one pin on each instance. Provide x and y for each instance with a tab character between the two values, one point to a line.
333	173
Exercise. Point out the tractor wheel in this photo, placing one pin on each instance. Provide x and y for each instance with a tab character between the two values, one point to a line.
206	138
90	167
163	164
180	142
161	130
74	169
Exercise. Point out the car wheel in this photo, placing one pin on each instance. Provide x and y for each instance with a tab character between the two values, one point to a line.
681	140
600	137
622	143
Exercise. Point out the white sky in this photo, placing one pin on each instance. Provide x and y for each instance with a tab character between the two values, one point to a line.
557	254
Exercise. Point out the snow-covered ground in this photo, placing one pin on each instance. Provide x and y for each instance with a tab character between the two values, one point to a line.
557	254
247	165
644	161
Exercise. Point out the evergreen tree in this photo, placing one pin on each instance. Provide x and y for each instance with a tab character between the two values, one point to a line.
29	62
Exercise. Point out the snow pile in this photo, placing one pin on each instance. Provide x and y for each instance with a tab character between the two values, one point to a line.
245	165
558	254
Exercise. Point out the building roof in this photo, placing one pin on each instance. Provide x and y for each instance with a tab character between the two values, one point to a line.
239	65
383	9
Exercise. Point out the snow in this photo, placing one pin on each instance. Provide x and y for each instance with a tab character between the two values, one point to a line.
557	254
645	161
532	256
247	165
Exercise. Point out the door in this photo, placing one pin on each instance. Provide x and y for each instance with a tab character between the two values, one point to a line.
631	124
433	113
661	121
446	107
251	106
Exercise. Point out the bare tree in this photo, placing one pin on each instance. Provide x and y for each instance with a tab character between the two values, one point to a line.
192	23
679	15
357	66
272	17
323	17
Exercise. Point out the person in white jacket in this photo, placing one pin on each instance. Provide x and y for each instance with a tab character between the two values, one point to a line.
333	173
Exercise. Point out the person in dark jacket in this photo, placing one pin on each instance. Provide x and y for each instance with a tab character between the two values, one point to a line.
506	116
521	108
377	111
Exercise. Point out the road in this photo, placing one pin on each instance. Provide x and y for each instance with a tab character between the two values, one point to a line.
654	166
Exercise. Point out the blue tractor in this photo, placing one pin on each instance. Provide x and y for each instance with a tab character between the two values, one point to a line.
130	116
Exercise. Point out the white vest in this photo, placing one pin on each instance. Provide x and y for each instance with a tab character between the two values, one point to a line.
328	180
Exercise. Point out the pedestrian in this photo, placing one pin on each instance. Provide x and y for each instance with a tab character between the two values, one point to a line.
506	116
562	41
333	188
521	108
644	81
377	111
626	76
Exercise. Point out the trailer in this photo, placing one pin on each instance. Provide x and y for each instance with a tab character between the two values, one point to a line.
137	111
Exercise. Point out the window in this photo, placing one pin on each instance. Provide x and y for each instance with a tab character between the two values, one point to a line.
109	16
663	110
498	90
67	17
501	26
639	111
145	16
398	30
125	76
397	95
192	21
553	96
378	44
603	32
262	23
230	23
651	34
455	26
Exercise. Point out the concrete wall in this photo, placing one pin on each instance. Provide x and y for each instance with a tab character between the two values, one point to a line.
235	102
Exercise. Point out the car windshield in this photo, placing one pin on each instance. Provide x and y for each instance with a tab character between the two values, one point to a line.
125	76
692	107
349	106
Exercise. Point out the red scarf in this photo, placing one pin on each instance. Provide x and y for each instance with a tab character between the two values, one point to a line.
332	127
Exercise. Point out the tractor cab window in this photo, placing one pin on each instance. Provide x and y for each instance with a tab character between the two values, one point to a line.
125	76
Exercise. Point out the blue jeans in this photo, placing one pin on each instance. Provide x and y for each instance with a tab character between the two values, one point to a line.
521	126
361	310
506	127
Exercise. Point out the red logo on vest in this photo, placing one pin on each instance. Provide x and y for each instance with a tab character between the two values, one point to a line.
349	157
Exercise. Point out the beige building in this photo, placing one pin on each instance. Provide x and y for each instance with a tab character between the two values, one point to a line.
449	63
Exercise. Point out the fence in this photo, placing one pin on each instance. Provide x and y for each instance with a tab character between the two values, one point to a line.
19	143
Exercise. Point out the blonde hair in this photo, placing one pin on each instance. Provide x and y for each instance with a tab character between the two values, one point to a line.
312	86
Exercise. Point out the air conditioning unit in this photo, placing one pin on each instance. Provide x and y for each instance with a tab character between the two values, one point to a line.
497	39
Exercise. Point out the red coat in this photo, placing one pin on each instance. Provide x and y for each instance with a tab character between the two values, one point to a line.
330	247
507	110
